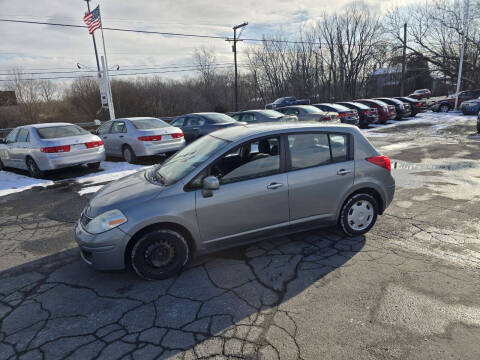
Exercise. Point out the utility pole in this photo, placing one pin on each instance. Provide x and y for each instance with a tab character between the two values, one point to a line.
404	60
462	50
234	49
94	43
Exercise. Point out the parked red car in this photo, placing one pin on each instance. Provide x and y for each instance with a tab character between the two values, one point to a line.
447	104
421	94
385	112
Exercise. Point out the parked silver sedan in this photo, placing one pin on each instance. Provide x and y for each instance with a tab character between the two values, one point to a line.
134	137
41	147
232	187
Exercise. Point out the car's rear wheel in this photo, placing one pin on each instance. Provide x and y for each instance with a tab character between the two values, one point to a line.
129	155
94	166
359	214
444	108
33	169
159	254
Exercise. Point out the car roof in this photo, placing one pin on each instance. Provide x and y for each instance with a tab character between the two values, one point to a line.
239	132
138	118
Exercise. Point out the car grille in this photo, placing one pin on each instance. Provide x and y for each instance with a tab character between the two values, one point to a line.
84	220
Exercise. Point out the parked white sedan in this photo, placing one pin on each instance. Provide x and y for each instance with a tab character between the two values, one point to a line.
41	147
134	137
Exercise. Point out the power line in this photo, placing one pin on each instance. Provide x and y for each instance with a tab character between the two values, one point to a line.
94	76
122	69
163	33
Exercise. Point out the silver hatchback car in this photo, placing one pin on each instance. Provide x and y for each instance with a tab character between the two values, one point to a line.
132	138
41	147
233	187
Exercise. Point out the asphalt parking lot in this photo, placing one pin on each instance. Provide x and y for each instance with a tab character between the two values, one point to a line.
407	290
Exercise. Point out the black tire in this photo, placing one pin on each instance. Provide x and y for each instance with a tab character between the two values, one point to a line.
94	166
2	167
33	169
444	108
129	155
159	254
354	229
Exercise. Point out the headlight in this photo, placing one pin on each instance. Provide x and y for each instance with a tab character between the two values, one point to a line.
106	221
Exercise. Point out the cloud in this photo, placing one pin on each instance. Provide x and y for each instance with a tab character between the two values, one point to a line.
40	46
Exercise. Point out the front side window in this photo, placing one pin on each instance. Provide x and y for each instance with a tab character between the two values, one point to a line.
251	160
249	118
11	138
316	149
62	131
178	122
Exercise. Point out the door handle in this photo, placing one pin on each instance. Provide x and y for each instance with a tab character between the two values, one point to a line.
105	137
274	186
121	136
343	172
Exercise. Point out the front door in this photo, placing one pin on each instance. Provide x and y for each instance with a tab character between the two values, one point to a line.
105	135
10	142
117	137
322	171
253	193
191	128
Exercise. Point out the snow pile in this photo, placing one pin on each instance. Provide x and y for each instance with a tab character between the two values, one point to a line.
11	182
111	171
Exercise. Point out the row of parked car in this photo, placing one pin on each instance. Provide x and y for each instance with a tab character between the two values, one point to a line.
39	148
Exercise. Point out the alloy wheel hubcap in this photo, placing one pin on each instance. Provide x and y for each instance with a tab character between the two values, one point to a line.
160	254
127	155
360	215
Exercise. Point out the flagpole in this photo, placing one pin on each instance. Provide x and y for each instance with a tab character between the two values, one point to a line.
110	98
94	42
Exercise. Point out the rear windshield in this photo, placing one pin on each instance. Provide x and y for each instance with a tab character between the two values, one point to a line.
219	118
55	132
312	109
360	105
338	107
271	113
146	124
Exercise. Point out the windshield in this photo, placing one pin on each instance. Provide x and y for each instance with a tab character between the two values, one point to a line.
146	124
188	159
312	109
271	113
219	118
55	132
280	100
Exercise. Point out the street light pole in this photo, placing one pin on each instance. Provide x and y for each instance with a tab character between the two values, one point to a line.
462	50
234	49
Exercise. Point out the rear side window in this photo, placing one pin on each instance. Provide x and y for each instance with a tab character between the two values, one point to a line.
55	132
23	135
194	121
316	149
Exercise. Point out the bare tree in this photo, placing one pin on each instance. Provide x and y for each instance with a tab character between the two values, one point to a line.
28	95
47	89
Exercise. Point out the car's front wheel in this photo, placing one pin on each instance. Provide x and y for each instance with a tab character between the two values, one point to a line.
33	169
159	254
2	167
358	214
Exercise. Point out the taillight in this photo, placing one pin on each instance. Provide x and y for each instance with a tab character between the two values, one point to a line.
150	138
93	144
380	160
55	149
418	105
177	135
367	112
344	114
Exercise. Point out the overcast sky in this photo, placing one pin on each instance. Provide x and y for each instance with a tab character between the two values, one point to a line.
59	49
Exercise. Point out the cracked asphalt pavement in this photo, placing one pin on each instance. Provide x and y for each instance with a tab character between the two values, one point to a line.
407	290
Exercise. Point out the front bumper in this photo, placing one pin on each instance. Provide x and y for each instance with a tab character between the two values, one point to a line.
63	160
156	148
105	251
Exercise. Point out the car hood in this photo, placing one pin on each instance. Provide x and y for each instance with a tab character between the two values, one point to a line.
123	194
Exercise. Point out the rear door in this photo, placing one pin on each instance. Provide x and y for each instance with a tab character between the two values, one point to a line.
104	134
191	128
9	152
321	172
117	134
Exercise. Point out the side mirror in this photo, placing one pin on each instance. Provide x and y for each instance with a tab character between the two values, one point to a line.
210	183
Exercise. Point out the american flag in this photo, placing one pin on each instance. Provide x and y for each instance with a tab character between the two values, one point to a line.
92	20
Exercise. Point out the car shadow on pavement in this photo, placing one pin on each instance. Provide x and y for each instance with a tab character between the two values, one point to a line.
61	308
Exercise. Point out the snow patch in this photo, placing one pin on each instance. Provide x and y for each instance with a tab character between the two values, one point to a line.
11	182
89	190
